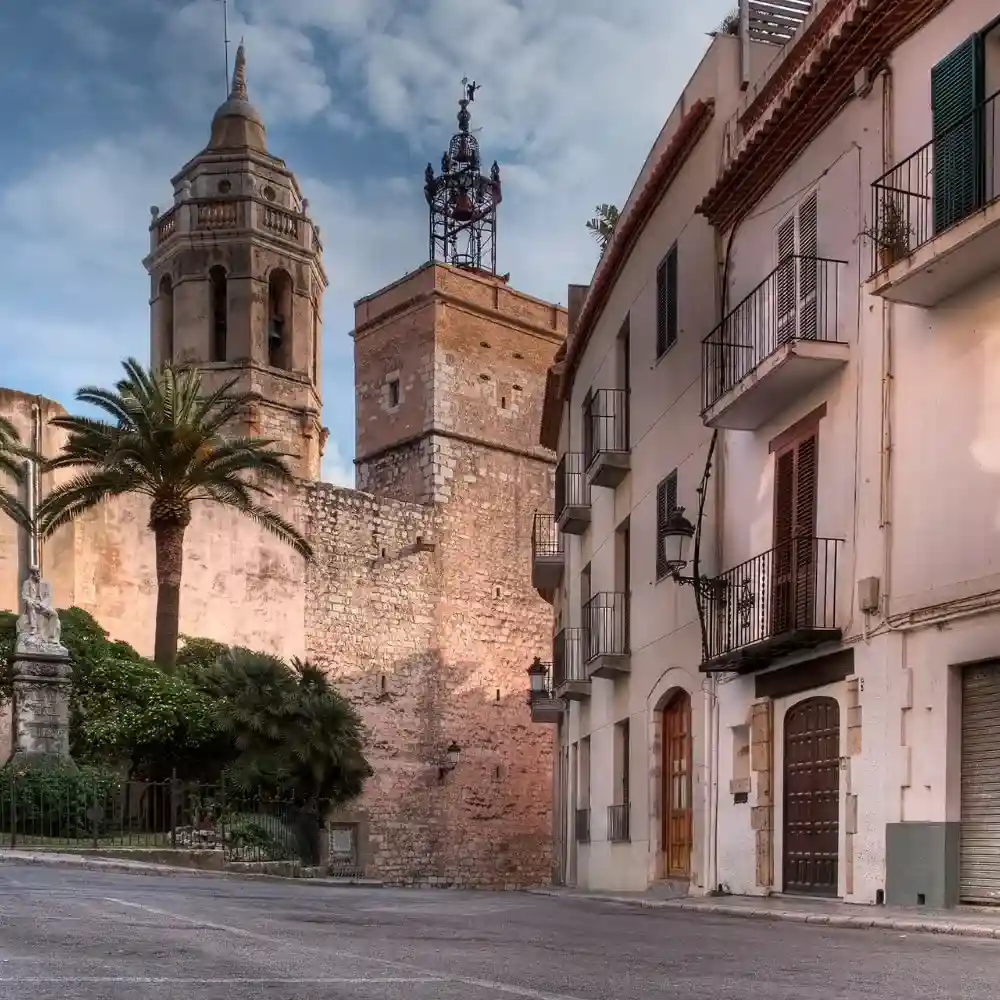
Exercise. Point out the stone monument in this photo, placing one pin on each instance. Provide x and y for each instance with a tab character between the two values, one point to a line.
42	668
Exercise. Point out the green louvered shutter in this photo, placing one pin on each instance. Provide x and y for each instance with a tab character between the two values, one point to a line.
956	92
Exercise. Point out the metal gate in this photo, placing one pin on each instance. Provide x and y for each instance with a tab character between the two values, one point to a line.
979	876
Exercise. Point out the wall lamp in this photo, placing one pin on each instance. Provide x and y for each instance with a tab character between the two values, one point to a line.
677	535
452	755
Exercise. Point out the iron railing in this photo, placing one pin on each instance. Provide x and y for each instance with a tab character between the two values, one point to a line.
546	538
582	824
567	656
572	488
798	300
606	622
790	588
85	812
605	424
618	829
936	187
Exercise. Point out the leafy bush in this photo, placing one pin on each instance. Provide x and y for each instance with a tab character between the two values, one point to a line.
52	799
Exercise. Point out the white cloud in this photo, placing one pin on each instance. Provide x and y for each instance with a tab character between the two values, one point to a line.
336	469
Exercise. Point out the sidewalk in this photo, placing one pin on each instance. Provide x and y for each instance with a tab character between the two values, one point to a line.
964	921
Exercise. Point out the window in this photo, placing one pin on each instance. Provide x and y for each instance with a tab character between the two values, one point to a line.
219	293
797	304
666	502
279	334
392	393
666	302
166	320
957	85
622	763
315	343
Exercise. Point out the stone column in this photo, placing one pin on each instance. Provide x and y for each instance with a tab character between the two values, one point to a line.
41	708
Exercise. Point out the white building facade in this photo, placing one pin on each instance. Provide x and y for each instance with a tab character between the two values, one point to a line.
807	699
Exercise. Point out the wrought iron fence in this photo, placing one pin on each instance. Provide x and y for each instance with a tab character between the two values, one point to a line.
606	621
618	819
605	423
567	655
582	824
798	300
572	488
937	186
546	538
84	812
791	587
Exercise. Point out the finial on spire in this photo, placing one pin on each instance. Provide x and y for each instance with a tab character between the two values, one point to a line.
238	92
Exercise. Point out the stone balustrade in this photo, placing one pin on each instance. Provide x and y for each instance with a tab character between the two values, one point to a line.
218	215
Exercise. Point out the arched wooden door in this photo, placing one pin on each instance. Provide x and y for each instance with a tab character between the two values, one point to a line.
676	769
811	842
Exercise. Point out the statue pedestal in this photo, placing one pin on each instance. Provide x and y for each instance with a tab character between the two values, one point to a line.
42	689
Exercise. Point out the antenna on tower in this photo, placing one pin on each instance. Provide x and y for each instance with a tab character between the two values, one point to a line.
225	37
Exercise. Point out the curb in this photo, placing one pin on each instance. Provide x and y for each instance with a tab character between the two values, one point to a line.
908	924
171	871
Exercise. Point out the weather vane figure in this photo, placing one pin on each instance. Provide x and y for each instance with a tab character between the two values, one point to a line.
462	200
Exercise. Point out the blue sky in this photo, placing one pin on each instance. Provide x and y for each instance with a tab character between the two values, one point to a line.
105	100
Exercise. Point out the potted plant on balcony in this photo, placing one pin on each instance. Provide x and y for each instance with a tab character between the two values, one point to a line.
890	233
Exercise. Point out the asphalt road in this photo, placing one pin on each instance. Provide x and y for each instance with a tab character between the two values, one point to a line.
70	935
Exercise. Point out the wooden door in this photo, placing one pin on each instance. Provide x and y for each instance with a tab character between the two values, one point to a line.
812	797
677	825
793	558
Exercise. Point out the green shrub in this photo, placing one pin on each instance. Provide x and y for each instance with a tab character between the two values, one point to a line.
51	800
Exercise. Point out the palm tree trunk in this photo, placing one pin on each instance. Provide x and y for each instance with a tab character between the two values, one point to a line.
169	563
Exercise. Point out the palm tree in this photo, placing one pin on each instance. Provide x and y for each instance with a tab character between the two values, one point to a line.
165	442
12	455
603	224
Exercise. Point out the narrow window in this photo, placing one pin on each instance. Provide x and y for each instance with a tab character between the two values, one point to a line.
279	334
666	502
315	344
220	312
666	302
166	331
393	391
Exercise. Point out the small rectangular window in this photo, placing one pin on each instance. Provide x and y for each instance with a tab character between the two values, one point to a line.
666	502
393	385
666	302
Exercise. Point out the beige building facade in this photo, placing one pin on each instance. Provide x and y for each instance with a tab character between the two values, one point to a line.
847	663
424	627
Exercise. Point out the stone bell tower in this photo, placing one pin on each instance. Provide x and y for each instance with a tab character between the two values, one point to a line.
237	280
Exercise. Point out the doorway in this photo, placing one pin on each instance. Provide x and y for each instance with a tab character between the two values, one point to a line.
811	841
677	812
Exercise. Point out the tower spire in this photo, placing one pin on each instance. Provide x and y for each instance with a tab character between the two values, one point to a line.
238	91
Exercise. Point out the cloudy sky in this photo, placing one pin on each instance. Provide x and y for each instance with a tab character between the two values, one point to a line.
105	99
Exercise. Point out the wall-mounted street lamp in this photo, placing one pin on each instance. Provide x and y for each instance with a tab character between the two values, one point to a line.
538	675
452	756
677	536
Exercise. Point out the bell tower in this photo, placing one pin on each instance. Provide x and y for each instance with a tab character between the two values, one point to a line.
237	281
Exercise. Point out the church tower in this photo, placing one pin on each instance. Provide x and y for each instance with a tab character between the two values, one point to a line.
237	280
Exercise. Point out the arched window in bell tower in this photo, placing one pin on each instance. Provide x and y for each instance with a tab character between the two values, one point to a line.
279	327
219	313
166	331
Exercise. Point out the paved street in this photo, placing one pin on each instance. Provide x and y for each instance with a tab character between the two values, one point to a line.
82	934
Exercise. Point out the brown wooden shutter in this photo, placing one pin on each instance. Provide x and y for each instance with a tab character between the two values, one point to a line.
793	569
666	501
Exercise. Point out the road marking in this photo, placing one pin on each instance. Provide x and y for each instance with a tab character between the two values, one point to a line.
445	977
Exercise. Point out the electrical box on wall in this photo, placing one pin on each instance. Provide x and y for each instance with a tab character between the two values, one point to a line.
868	593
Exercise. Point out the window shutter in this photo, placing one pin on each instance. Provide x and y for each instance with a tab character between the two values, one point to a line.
666	502
808	218
784	497
671	296
661	308
805	487
956	90
786	281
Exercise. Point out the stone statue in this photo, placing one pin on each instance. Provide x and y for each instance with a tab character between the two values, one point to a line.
38	628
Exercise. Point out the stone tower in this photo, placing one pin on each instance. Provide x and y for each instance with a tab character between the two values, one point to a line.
237	280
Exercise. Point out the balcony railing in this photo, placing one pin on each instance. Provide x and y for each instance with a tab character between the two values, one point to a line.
582	824
936	187
797	301
606	623
618	829
572	501
546	538
605	425
778	602
545	707
567	656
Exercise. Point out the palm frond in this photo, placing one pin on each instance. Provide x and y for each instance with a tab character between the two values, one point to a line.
71	499
269	520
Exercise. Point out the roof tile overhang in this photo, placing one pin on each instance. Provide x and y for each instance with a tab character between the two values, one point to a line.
818	86
631	225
